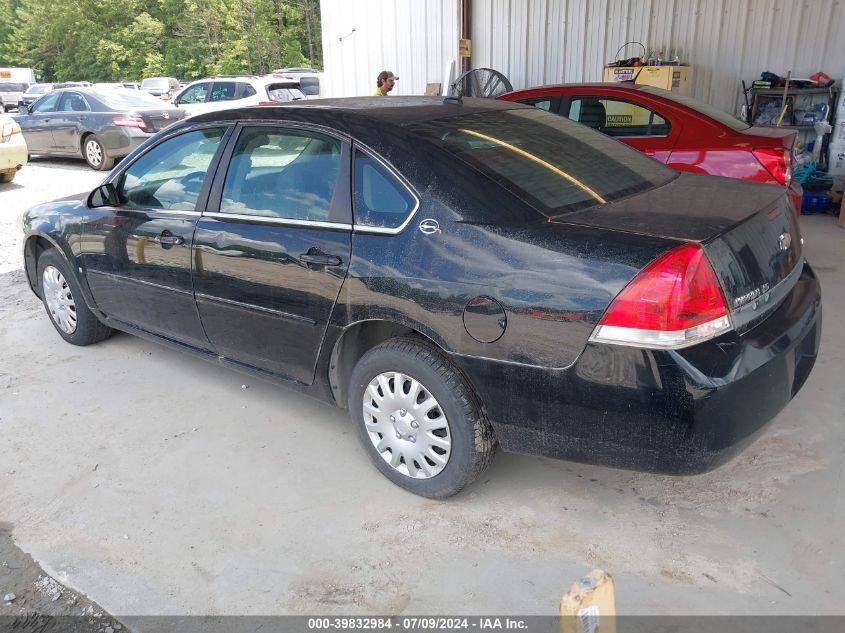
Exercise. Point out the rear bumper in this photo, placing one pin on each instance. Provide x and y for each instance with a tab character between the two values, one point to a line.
13	153
678	412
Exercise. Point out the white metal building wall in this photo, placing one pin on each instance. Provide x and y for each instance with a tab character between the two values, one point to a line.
534	42
415	39
552	41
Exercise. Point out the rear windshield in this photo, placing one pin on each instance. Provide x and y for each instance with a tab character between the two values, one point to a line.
284	94
556	165
12	87
123	98
704	108
155	83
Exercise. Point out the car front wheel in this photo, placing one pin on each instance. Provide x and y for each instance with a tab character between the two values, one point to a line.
65	304
95	154
418	419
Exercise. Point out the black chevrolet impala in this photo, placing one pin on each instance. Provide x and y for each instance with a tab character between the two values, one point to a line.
458	274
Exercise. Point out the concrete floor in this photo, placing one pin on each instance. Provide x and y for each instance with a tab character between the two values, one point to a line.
157	483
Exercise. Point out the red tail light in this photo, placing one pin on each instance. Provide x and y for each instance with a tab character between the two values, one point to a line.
129	121
778	162
674	302
267	103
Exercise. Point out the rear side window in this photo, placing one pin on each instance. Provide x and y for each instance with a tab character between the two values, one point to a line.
74	102
309	85
545	159
282	173
244	91
223	91
380	200
616	117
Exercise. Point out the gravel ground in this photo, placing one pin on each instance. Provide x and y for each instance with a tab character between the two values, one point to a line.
259	501
38	181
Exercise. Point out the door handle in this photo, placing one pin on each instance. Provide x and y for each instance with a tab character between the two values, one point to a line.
167	239
320	259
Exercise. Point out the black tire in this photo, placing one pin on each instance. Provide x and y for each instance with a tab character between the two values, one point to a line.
95	154
7	176
87	329
473	443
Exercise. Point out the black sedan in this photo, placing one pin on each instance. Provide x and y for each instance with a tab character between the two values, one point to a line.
98	126
458	274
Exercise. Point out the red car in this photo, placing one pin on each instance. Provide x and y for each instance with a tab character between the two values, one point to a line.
683	133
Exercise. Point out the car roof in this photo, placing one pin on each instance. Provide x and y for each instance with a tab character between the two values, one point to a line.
389	110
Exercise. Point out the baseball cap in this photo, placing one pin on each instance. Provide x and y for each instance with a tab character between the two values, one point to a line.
387	74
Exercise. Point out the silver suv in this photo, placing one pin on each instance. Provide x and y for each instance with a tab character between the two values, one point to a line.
10	93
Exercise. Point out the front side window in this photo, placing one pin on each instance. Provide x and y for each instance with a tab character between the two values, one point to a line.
171	174
379	200
46	104
616	117
223	91
194	94
282	173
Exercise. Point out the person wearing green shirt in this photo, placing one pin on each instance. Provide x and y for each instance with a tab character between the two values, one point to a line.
385	82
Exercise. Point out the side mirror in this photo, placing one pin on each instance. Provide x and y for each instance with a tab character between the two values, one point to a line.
103	196
23	108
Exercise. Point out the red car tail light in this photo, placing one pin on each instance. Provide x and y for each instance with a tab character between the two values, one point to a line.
778	162
267	103
674	302
129	121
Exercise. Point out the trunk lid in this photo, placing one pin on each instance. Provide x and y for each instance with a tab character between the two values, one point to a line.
771	137
159	119
749	232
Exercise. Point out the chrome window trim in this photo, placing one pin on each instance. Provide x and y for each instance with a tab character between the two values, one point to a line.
148	210
263	219
363	228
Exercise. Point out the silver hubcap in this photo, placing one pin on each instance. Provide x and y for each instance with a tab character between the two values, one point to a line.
59	299
407	425
94	152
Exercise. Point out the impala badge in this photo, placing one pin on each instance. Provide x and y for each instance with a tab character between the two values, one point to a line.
784	241
429	226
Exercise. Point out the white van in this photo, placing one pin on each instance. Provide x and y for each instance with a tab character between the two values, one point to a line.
311	82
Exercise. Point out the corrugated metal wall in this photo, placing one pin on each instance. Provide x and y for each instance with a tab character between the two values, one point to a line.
553	41
415	39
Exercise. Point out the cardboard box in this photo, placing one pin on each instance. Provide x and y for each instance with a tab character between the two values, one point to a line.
675	78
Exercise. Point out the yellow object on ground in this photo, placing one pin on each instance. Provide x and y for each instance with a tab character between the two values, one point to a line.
590	605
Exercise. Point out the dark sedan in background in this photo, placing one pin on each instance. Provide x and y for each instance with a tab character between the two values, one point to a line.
459	274
99	126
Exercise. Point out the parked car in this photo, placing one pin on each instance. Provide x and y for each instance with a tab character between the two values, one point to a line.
131	85
679	131
99	126
10	93
219	93
310	80
163	87
13	151
457	274
33	93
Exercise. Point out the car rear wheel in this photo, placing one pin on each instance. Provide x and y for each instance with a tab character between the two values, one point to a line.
7	176
65	304
95	154
418	419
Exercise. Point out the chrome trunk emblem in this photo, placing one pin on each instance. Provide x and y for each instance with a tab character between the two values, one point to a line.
784	241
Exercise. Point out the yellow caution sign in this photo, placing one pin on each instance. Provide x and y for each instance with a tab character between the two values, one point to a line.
590	605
